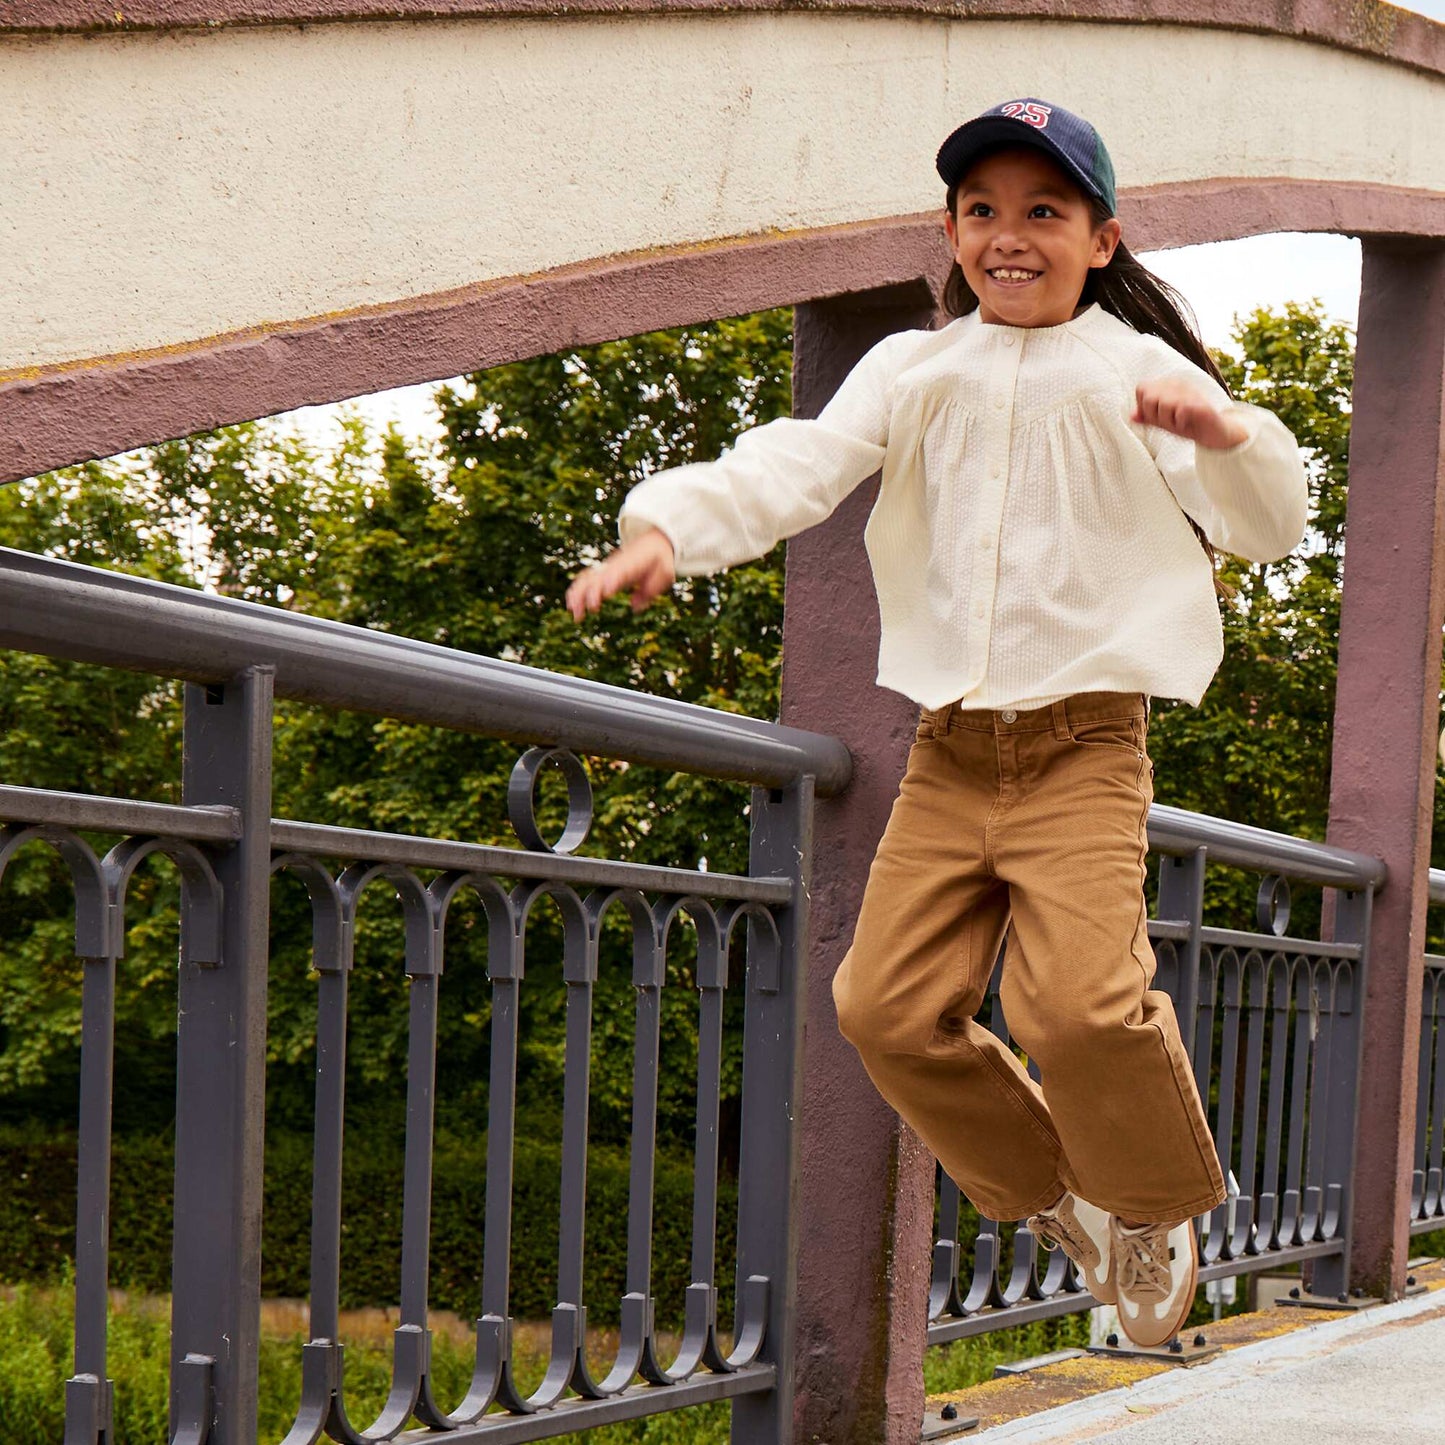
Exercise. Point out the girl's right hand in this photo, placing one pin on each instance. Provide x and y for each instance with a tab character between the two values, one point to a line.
645	567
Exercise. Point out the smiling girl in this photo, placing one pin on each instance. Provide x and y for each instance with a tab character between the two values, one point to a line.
1058	464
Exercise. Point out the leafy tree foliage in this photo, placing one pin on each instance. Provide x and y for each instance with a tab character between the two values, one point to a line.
470	546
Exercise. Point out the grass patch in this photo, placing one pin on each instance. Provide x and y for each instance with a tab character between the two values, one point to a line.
962	1363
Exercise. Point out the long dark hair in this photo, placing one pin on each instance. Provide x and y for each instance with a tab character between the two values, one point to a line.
1128	289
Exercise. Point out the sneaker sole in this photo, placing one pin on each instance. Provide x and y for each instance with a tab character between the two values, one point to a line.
1152	1334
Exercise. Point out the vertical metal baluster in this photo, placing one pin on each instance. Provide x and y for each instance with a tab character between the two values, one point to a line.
322	1360
1201	1049
782	846
1435	1165
494	1329
411	1342
1181	899
88	1393
1277	984
1231	980
332	988
1322	1016
1245	1208
568	1364
700	1303
1331	1275
700	1310
988	1246
1421	1207
943	1288
98	938
636	1349
1299	1079
220	1068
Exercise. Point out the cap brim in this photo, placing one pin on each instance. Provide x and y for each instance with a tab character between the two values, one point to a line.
989	132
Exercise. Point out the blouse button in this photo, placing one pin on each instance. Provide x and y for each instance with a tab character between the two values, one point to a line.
1008	340
998	403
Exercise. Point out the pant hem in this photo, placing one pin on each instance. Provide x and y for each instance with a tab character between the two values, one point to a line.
1174	1214
1041	1202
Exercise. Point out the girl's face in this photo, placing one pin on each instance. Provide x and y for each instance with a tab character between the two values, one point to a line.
1025	237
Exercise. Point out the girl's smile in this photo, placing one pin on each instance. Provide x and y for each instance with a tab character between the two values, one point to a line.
1025	238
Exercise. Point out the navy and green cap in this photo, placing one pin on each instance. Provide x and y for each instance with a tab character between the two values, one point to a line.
1067	138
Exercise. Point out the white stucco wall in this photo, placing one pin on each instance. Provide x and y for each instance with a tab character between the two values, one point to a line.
157	189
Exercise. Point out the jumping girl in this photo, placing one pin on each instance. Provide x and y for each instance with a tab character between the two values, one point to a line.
1059	463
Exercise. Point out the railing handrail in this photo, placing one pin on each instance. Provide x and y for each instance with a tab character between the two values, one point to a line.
1437	885
64	609
1238	845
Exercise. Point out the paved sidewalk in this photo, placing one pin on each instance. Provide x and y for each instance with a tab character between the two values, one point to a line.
1373	1378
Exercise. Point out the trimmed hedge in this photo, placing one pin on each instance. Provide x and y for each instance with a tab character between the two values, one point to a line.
37	1221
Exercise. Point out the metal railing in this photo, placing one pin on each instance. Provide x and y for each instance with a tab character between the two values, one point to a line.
1272	1025
1427	1193
236	657
1272	1021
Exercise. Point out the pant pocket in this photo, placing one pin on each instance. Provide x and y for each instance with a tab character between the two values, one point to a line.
1119	732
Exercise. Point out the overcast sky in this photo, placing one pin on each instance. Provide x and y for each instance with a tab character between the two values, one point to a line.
1220	281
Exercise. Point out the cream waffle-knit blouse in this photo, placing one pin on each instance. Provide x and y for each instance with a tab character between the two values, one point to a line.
1028	541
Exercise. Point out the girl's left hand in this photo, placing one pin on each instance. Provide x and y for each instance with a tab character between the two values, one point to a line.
1178	406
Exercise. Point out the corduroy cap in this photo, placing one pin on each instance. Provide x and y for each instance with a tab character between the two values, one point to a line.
1067	138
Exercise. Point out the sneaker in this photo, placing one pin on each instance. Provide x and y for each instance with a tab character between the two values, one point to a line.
1156	1270
1081	1230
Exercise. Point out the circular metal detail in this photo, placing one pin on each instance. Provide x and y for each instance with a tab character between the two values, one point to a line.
1272	905
522	800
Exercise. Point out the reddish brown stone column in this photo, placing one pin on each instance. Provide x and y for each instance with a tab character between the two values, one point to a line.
1387	709
866	1193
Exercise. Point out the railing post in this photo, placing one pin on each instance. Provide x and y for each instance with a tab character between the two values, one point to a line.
768	1224
1331	1275
1387	709
866	1189
220	1078
1181	900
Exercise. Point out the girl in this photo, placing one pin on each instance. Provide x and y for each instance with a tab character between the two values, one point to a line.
1058	464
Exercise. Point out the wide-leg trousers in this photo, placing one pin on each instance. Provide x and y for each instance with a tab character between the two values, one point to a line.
1034	819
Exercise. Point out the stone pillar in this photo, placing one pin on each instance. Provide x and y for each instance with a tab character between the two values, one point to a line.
1387	708
866	1189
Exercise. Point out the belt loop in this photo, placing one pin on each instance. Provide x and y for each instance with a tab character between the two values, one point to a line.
940	720
1061	721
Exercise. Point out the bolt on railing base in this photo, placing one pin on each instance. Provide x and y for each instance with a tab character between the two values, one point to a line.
947	1423
1181	1350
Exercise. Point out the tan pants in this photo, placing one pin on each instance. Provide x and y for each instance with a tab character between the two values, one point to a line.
1035	818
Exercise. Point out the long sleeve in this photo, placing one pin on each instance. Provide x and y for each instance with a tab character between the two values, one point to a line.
779	478
1252	499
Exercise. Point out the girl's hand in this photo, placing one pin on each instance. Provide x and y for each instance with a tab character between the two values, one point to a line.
1180	407
645	567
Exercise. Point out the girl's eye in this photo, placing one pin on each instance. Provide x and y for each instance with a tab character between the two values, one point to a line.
978	208
1042	210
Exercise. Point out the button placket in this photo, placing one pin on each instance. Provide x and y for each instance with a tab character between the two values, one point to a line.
997	458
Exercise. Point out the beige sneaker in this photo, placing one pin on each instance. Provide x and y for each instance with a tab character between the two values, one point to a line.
1156	1269
1081	1230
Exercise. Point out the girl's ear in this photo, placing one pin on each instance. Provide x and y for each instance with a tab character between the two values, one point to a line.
1106	238
950	227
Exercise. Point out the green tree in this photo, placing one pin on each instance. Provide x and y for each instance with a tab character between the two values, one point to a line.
1257	748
